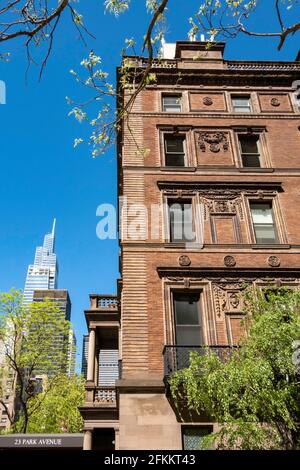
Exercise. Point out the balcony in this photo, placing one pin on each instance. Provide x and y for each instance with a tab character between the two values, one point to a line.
105	396
107	302
178	357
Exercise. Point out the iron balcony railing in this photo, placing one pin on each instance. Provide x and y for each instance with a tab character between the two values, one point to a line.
178	357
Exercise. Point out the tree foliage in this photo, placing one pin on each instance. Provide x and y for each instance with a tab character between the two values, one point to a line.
223	19
55	410
255	395
33	340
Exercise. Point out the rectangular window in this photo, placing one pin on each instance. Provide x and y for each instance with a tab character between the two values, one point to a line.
249	147
241	104
181	221
188	329
174	150
171	103
263	222
193	436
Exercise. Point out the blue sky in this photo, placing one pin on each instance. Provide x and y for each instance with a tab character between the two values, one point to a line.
43	177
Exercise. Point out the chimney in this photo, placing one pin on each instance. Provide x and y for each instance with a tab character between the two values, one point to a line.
195	50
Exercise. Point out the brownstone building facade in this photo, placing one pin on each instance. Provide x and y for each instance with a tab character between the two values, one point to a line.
209	180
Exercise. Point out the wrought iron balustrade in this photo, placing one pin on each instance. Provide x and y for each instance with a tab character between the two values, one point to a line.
178	357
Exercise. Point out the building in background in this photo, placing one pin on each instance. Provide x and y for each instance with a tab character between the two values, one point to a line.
222	161
84	360
41	283
72	348
42	274
62	300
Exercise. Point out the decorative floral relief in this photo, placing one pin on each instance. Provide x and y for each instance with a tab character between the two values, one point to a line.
214	141
228	298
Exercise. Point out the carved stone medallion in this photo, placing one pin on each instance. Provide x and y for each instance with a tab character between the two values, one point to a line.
207	101
229	261
275	102
184	260
274	261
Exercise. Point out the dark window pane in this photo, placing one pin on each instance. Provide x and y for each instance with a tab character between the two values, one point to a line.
249	144
251	161
174	151
187	319
188	336
181	222
186	309
175	159
174	145
249	150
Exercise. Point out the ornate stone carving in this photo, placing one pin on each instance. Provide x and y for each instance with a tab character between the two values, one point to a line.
214	140
221	202
175	279
274	261
275	102
180	193
185	280
229	261
233	300
184	260
207	101
221	206
228	297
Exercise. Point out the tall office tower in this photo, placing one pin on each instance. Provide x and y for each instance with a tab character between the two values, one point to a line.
221	174
62	300
42	274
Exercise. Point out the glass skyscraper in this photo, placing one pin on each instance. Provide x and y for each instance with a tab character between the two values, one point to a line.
42	274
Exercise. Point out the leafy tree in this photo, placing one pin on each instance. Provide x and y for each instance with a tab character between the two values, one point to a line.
223	19
33	341
55	410
254	395
36	21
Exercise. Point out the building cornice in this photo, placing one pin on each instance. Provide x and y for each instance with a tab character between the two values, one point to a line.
225	185
215	272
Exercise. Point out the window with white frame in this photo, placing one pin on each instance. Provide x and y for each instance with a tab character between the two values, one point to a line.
263	222
241	104
174	147
250	150
171	103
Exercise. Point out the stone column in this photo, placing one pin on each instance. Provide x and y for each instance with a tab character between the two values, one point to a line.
117	439
91	355
87	440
